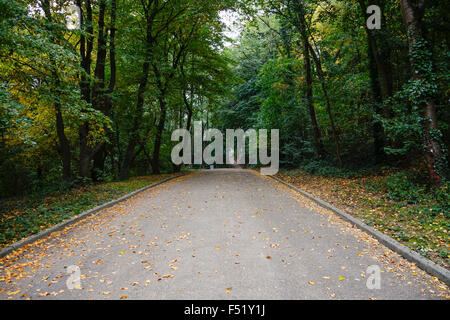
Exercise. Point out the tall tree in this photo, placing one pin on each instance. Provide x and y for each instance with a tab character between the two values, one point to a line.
93	86
300	23
422	71
64	145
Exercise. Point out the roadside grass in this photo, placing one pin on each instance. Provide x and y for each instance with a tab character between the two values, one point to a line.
398	204
20	218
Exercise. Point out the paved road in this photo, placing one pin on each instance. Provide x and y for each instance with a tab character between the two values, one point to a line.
218	234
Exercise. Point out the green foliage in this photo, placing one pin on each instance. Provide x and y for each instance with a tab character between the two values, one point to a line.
325	169
41	72
401	187
170	64
271	92
410	187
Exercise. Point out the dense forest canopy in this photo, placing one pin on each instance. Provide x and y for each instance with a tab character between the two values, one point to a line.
91	90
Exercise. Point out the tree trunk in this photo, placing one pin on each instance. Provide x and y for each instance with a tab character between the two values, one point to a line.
101	95
133	140
380	72
377	128
64	144
134	137
112	55
327	100
98	91
421	70
86	48
381	54
301	27
309	99
159	133
189	112
84	167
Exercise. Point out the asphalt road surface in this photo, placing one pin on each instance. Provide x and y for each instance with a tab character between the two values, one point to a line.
213	234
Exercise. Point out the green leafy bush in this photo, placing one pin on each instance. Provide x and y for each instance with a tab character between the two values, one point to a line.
325	169
412	187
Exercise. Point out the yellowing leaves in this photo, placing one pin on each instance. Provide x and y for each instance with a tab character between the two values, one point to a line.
12	293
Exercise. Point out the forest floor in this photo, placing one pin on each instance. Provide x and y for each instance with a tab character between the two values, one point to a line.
22	217
422	225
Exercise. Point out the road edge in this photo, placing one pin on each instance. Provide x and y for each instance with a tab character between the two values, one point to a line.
412	256
58	227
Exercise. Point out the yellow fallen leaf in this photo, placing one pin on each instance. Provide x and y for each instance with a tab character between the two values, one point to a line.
12	293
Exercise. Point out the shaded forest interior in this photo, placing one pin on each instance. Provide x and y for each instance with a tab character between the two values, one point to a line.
91	90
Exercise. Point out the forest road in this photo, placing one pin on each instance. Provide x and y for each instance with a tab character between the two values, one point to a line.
213	234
